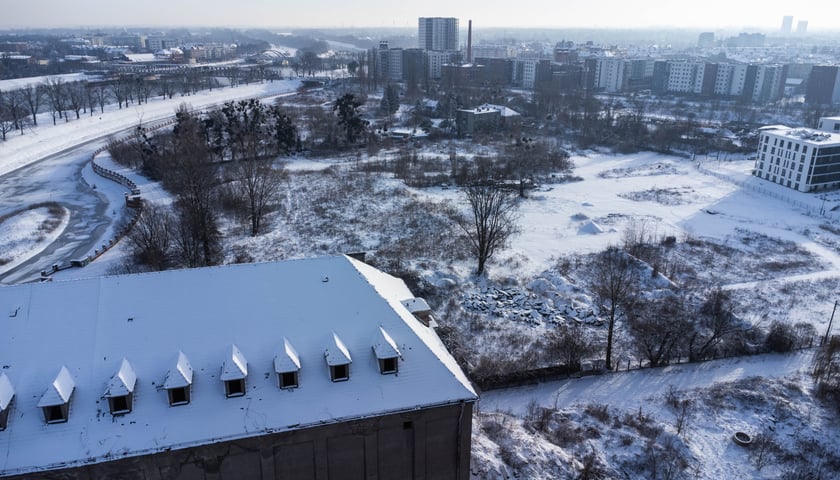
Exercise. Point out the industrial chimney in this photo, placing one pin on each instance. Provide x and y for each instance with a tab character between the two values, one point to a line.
469	41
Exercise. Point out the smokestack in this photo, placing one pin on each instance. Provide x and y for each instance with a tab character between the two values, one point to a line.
469	41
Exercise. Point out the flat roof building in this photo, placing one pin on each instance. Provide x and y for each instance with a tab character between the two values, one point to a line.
799	158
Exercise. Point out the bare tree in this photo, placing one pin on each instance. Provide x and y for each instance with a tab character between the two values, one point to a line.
32	95
198	239
259	184
76	97
826	371
614	285
102	95
151	237
684	409
56	91
493	220
716	321
658	327
121	89
7	125
572	343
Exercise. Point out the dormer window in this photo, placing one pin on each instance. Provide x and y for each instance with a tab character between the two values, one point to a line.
338	359
340	373
234	372
7	395
288	380
178	381
386	352
421	310
287	366
388	365
120	392
55	402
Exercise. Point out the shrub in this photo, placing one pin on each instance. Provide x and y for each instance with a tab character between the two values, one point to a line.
781	337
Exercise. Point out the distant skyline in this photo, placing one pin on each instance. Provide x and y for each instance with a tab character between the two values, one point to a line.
707	14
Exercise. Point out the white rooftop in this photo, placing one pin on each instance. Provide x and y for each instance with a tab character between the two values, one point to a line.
90	325
235	366
180	376
288	360
336	352
384	346
7	391
60	391
122	383
810	136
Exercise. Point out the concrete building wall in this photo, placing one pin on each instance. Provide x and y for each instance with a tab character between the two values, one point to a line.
823	85
423	444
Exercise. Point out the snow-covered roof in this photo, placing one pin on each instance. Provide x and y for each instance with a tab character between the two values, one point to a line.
416	305
817	138
140	57
180	376
89	325
60	391
384	346
7	391
336	352
122	383
288	360
489	108
235	366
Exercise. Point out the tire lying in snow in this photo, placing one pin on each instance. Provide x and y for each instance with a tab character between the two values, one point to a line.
742	439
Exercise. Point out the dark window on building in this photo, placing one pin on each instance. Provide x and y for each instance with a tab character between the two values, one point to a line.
4	417
288	380
121	404
388	365
235	388
179	396
55	414
339	373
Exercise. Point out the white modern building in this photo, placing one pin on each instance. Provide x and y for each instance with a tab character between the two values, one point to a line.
803	159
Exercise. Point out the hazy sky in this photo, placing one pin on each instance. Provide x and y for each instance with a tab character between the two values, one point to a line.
384	13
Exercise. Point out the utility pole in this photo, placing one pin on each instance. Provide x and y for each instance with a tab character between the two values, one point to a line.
828	330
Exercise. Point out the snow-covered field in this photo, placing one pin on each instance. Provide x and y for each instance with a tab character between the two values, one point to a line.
773	242
26	233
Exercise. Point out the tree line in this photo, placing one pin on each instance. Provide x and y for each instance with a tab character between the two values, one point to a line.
219	161
64	100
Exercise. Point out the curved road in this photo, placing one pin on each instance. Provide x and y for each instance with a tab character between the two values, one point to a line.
58	178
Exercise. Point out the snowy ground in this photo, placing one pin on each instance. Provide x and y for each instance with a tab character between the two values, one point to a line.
27	233
689	199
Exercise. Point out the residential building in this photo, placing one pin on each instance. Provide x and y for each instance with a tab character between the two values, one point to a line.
486	118
706	40
609	74
437	33
799	158
802	27
823	85
321	368
435	60
493	51
787	24
829	124
524	72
